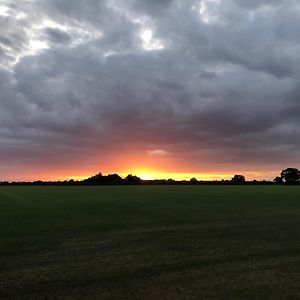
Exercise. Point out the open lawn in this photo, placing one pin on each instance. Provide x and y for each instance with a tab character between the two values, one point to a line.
150	242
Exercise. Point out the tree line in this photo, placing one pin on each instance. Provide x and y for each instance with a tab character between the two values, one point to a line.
289	176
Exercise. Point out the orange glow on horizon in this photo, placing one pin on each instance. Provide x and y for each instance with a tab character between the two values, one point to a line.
155	166
151	175
147	174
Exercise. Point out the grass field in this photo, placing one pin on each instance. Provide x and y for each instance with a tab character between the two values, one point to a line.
150	242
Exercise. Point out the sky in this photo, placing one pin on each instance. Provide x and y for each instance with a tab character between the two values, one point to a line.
160	88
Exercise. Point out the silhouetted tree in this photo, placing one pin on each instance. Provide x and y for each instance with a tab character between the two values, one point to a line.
238	179
132	179
113	179
170	181
101	179
96	179
193	180
290	175
278	180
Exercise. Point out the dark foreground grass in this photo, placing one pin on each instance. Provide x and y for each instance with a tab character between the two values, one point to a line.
150	242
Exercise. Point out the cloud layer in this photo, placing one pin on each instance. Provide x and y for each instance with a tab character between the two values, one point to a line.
86	85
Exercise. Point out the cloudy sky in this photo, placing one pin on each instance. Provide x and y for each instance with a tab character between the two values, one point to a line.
166	87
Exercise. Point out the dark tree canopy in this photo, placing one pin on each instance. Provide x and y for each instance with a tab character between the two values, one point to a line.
193	180
278	180
102	179
132	179
290	175
238	179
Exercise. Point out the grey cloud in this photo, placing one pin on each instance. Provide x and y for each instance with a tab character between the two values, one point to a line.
6	41
254	4
220	93
57	36
152	8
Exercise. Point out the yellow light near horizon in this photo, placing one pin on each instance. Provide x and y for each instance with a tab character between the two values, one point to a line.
151	174
146	176
142	173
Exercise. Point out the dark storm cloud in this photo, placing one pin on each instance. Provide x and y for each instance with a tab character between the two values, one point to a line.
205	81
152	8
57	36
254	4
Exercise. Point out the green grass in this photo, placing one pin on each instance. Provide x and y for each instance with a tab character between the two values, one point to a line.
150	242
